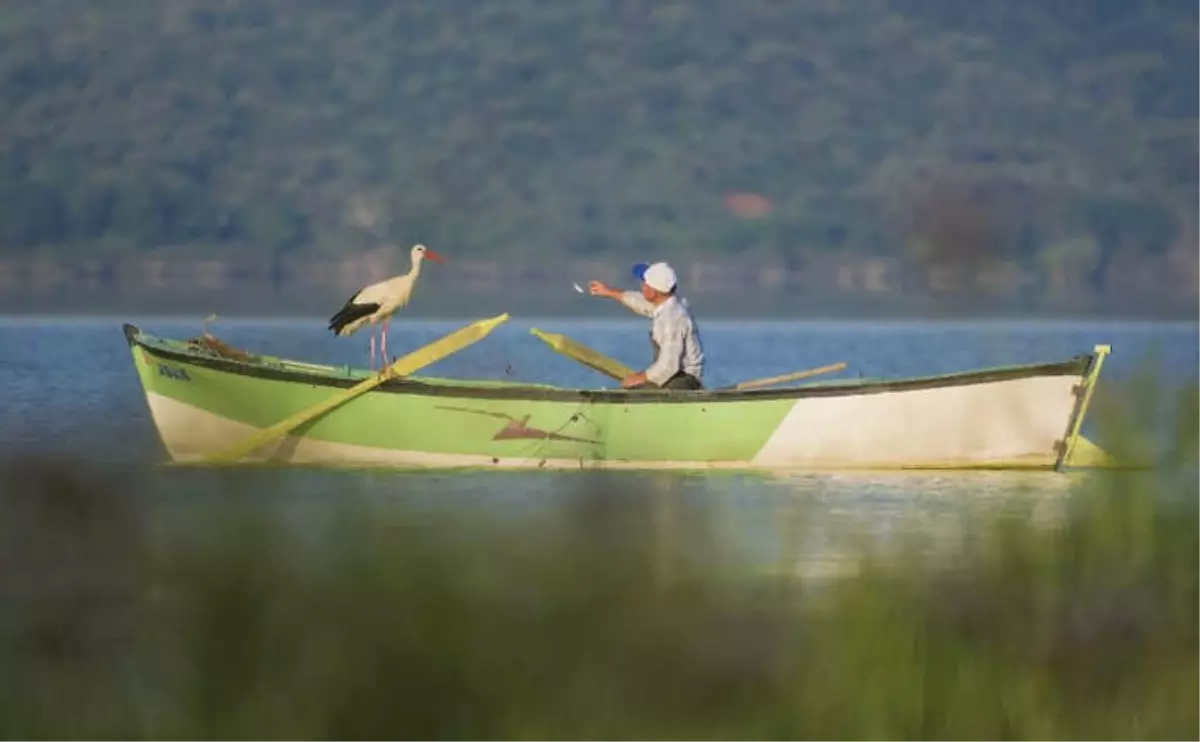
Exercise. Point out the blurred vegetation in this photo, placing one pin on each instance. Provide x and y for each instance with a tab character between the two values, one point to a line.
209	605
593	127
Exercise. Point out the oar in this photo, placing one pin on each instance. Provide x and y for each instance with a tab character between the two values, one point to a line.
593	359
773	380
405	366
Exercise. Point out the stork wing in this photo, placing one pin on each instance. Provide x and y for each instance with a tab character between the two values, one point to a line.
375	293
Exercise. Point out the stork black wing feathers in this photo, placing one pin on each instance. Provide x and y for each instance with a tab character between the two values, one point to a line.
349	313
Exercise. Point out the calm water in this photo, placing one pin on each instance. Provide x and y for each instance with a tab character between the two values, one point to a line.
70	388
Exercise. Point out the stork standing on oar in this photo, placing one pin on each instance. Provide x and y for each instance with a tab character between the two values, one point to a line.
376	303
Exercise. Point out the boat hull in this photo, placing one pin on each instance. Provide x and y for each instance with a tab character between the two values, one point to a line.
1017	417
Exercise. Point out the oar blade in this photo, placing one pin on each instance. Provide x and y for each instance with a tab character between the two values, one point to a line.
445	346
409	364
581	353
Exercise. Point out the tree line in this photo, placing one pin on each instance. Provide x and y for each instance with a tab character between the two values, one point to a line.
1044	132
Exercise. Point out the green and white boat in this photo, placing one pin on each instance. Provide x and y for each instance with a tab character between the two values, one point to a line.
212	403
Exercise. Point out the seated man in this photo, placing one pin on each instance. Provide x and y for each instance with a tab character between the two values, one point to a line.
678	352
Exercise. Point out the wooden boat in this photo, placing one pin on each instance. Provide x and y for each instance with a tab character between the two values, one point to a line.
205	397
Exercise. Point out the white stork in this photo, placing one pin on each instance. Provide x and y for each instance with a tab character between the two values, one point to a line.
377	302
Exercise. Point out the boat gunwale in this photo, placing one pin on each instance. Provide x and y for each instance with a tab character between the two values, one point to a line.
1075	366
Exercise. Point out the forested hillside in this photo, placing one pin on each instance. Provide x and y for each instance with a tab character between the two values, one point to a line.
592	126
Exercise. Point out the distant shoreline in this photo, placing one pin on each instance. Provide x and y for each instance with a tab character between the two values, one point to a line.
706	307
847	287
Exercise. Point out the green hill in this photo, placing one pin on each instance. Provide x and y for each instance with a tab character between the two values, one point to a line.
527	126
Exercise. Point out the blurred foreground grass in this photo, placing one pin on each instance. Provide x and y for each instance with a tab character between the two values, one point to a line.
131	610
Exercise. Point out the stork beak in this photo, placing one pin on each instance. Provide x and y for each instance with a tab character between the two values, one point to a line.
434	256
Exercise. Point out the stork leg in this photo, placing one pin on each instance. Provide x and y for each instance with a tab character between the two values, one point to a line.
386	358
372	346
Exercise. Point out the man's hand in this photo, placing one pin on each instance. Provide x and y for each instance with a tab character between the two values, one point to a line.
633	380
599	289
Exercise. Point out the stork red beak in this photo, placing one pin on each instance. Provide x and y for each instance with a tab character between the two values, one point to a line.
434	256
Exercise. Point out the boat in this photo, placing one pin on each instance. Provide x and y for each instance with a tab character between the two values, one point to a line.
212	403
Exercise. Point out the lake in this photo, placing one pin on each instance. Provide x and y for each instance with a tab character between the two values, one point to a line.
71	390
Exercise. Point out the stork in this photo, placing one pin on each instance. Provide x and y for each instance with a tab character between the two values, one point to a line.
376	303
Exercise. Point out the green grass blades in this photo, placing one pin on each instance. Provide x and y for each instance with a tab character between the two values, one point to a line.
221	604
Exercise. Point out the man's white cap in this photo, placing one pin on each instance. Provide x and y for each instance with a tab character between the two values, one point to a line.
658	276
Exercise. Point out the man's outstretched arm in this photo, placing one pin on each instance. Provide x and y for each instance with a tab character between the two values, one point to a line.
633	300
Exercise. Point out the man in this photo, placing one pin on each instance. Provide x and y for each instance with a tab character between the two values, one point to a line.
678	353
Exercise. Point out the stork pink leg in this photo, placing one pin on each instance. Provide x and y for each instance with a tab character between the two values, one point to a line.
386	358
372	347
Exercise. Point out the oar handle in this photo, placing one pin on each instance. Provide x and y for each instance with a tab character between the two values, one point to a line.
581	353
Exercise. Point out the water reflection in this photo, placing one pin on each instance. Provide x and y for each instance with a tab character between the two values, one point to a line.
824	524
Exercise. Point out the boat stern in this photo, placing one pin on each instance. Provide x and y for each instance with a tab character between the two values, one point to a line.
1075	450
1008	418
